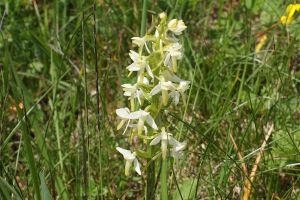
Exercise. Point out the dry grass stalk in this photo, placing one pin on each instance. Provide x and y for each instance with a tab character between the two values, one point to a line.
249	180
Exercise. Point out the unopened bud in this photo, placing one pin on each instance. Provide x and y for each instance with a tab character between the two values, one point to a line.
162	15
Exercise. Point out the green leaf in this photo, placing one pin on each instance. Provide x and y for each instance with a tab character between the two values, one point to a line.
6	190
249	4
271	12
187	189
44	189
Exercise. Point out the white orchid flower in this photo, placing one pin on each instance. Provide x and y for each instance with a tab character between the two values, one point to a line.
139	64
163	87
132	91
140	42
129	159
123	113
180	90
176	26
140	115
177	148
183	86
165	139
143	116
173	54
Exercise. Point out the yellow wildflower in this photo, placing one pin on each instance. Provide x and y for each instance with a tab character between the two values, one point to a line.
262	41
290	11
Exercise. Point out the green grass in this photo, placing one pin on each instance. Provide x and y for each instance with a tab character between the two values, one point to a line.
66	68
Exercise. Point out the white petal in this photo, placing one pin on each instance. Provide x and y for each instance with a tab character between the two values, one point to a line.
167	85
146	130
172	141
137	167
138	114
176	54
176	150
128	123
133	55
183	86
145	80
133	67
138	41
156	34
176	46
176	26
172	24
127	85
155	90
156	140
175	95
138	95
171	76
123	113
167	59
149	71
179	146
126	153
127	94
151	122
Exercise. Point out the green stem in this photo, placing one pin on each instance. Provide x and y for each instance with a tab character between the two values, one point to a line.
150	181
144	18
164	180
29	151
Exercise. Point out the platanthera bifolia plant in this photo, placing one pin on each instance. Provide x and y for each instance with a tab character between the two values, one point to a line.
156	90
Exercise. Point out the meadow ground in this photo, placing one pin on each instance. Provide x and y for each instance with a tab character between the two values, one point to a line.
58	133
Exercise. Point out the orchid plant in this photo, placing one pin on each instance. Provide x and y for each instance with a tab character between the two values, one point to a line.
157	87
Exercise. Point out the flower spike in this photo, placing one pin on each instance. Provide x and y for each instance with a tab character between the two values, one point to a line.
154	66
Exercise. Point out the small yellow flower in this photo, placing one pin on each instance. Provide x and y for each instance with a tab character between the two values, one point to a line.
262	41
290	11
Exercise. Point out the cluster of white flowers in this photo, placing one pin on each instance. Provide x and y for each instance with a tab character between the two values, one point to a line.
156	87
